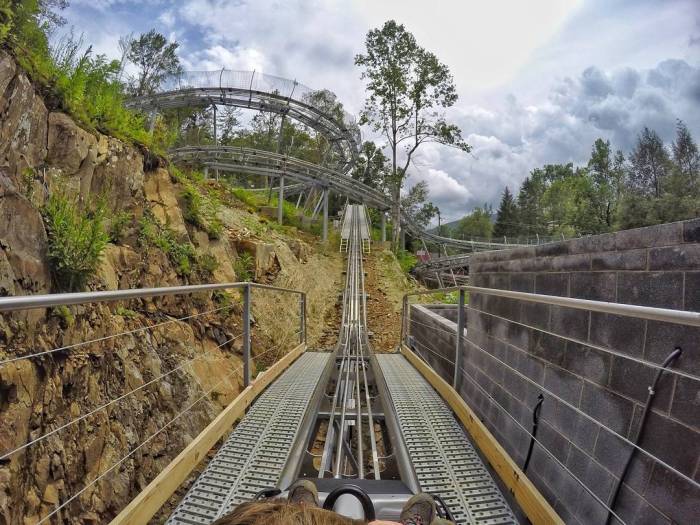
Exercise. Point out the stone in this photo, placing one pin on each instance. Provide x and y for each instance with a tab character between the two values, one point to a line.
23	240
161	194
659	289
68	144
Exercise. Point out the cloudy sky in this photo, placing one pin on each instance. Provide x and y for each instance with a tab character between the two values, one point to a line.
539	80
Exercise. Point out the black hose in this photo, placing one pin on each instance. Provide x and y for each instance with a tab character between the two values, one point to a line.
535	423
650	398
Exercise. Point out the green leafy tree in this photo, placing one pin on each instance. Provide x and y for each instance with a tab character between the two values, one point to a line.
372	167
155	59
607	176
407	87
416	205
650	164
685	154
477	224
506	216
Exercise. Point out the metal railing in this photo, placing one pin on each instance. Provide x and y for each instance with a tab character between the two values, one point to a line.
678	317
52	425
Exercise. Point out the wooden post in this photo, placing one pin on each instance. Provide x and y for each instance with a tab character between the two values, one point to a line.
143	507
533	504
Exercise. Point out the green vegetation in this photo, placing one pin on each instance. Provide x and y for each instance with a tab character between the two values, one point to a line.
65	315
406	260
77	239
652	185
118	225
407	85
477	224
181	254
126	312
224	300
73	78
201	210
244	266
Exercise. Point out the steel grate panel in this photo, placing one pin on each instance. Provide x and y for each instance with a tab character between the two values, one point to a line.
253	456
444	460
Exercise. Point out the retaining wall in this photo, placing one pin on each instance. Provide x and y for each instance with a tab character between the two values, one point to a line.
583	359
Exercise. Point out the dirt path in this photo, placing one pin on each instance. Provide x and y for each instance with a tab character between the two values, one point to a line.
385	284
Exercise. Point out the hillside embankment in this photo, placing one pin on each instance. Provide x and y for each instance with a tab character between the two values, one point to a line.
164	229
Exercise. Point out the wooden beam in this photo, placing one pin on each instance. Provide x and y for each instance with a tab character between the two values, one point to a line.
531	501
151	499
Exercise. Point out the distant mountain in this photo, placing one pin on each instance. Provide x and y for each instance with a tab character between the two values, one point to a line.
445	226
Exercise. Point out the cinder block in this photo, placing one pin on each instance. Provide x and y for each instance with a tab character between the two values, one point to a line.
519	335
535	315
611	451
572	263
530	367
563	384
606	407
674	443
632	508
673	496
593	243
632	379
548	347
691	230
570	322
624	260
580	430
552	284
624	334
591	473
522	282
686	402
660	289
596	286
589	363
692	291
683	257
662	338
552	249
649	237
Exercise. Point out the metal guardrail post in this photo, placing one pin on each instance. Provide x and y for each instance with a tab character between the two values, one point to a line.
459	350
302	318
246	335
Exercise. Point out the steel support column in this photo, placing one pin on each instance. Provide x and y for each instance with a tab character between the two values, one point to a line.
325	214
246	335
280	202
383	226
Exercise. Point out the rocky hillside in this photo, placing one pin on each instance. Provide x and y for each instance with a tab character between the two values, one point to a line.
164	229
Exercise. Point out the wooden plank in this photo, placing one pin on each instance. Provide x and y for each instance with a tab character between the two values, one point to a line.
151	499
531	501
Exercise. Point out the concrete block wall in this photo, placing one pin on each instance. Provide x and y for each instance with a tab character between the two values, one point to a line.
595	363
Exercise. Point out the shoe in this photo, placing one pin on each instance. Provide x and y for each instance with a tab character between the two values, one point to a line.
303	491
419	510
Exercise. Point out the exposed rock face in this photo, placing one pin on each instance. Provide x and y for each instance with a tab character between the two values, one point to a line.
171	366
23	266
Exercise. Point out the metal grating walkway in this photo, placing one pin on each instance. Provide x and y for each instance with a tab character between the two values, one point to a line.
253	456
444	460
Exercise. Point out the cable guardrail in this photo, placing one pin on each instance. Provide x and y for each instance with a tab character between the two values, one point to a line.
643	312
54	426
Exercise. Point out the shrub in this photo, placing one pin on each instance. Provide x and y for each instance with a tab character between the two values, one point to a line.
201	211
118	226
181	254
244	267
77	239
406	260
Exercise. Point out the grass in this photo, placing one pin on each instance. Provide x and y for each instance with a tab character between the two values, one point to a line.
201	211
407	261
74	79
244	266
76	240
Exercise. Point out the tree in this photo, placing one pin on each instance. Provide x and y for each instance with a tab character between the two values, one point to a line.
407	85
685	154
506	216
415	204
476	224
372	166
607	175
155	59
650	164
